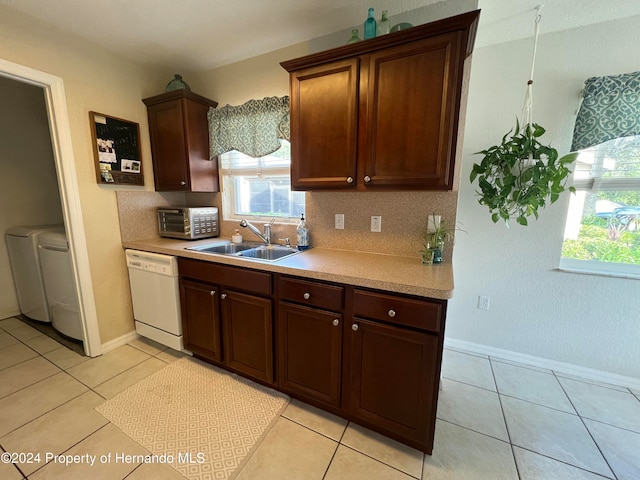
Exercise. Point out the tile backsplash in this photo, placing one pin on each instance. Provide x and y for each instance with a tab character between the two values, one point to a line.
404	218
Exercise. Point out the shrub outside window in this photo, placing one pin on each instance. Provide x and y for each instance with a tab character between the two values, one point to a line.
602	231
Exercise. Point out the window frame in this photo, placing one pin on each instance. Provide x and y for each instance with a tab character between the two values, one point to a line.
590	185
228	189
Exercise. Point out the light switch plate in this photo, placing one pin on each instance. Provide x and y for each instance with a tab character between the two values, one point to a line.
376	223
339	221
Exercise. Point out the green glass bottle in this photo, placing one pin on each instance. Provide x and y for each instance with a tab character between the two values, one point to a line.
383	24
370	25
354	36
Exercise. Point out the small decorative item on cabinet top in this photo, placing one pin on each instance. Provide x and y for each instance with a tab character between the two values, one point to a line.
370	25
400	26
177	84
354	36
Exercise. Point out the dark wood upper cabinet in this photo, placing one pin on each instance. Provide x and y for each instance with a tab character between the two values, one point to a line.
381	114
179	133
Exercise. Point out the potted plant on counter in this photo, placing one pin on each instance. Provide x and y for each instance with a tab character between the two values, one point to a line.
435	235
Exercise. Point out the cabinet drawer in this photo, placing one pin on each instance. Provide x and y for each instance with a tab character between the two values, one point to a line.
235	277
422	314
311	293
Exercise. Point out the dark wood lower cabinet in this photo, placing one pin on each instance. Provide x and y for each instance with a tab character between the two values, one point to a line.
309	354
393	380
200	319
369	356
247	326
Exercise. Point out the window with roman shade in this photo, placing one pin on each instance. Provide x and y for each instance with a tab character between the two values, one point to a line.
602	231
251	142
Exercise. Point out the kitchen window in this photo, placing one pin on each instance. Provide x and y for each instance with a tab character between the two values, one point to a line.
602	231
259	188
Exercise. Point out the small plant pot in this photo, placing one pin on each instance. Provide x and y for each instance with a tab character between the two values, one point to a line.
427	257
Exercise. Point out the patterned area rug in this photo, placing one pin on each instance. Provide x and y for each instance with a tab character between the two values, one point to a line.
198	418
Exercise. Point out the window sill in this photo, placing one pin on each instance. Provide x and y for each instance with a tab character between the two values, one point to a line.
602	269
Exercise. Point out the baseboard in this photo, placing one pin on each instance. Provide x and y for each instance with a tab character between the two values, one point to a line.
560	367
120	341
8	313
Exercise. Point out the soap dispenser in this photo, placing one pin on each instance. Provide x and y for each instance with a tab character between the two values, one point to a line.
236	237
302	233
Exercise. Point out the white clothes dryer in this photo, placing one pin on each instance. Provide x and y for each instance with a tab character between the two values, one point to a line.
59	283
22	245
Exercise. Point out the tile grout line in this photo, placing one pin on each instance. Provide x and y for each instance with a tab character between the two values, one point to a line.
587	429
504	419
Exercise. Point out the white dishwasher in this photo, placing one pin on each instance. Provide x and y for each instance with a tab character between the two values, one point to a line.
156	297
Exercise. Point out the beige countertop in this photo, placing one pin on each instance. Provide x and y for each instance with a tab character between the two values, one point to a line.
371	270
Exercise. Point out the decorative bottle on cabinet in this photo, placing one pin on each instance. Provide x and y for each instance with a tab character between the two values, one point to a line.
370	25
354	36
383	25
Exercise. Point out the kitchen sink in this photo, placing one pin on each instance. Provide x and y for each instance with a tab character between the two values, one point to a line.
270	252
226	248
249	250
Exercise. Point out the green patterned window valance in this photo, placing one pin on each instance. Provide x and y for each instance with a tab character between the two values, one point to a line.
253	128
610	109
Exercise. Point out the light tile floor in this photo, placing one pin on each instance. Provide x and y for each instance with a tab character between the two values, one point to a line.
496	420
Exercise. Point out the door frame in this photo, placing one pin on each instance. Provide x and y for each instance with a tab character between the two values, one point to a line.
56	103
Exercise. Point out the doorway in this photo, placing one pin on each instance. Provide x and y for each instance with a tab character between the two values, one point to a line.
55	102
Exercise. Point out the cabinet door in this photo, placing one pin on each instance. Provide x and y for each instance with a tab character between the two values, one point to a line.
309	358
324	126
411	115
248	334
200	319
168	146
393	380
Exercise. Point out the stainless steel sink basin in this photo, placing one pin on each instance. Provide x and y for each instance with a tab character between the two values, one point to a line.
249	250
226	248
270	253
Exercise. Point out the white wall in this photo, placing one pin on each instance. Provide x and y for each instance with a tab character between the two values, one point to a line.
28	186
98	80
586	320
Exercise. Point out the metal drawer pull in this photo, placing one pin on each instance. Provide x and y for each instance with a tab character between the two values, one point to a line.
306	295
367	179
336	322
354	327
391	313
212	293
183	183
349	179
223	296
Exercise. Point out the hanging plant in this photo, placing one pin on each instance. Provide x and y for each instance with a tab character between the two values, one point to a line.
517	177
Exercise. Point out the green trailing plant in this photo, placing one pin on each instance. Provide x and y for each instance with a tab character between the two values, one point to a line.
519	176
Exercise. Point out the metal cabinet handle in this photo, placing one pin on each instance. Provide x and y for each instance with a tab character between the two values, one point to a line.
223	296
336	322
212	293
367	179
391	313
306	295
183	183
354	327
349	179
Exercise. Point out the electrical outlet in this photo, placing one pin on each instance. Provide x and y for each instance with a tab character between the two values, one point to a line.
484	302
376	223
339	221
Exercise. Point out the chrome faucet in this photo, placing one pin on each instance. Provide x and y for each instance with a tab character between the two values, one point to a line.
266	237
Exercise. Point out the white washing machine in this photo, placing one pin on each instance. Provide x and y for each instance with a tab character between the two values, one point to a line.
22	244
59	283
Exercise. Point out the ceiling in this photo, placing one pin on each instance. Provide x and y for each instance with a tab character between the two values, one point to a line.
198	35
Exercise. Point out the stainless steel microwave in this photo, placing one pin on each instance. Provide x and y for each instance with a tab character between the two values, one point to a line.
190	223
